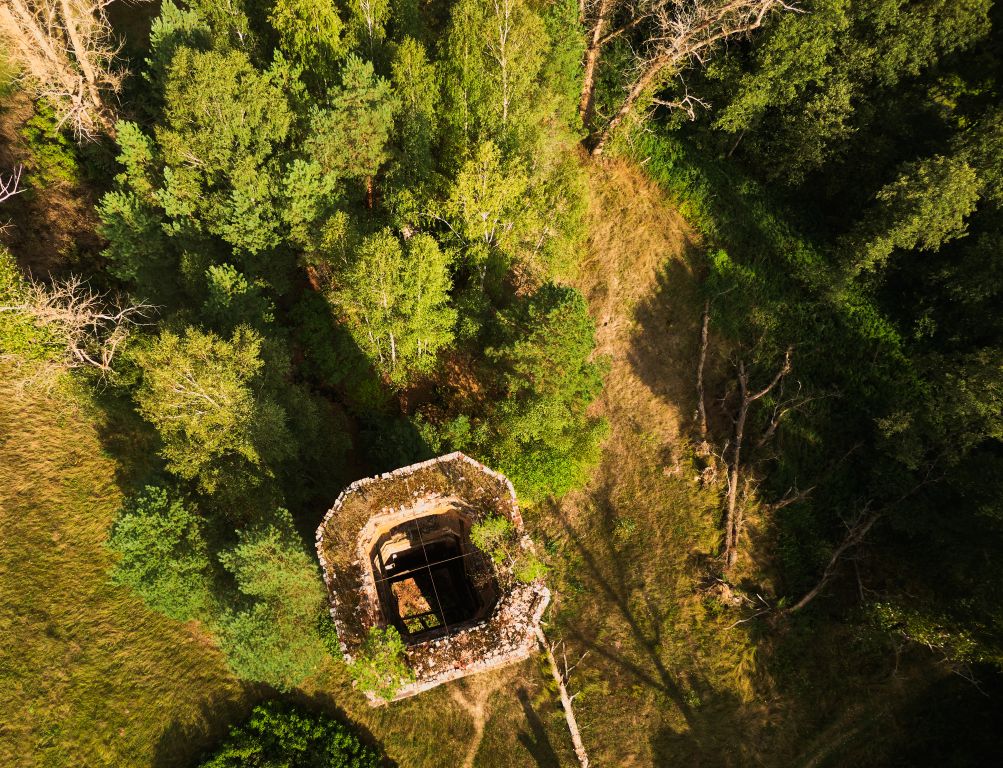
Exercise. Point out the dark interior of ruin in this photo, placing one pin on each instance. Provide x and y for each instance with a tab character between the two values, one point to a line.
431	580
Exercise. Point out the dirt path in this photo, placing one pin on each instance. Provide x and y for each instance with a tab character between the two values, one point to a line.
480	689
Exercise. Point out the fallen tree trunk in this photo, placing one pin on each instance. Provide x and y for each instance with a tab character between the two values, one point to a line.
566	699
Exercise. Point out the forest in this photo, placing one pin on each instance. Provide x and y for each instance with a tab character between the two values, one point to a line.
716	284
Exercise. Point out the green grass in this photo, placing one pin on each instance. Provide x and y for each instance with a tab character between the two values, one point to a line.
93	677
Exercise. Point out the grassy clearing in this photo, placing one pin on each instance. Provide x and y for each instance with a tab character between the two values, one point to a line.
661	665
95	678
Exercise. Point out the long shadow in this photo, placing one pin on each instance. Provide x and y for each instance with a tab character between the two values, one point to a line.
181	743
664	350
537	743
647	641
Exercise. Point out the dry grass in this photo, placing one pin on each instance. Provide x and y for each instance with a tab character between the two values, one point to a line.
663	670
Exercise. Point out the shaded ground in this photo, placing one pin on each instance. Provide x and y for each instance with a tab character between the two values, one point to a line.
52	224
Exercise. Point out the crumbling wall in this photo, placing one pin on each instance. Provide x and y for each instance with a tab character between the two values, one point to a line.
373	505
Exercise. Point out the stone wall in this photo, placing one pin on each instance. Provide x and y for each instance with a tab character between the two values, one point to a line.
370	506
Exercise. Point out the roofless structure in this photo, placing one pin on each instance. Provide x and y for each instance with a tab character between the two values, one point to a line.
396	551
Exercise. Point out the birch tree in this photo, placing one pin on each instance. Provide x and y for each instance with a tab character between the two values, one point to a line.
395	298
202	394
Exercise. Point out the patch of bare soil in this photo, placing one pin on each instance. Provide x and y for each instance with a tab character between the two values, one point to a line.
49	225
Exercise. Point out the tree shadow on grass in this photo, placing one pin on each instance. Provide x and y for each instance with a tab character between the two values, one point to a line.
713	719
537	742
666	344
182	743
185	744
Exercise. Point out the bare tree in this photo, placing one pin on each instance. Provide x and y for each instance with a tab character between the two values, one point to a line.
733	517
606	20
676	34
11	185
856	530
701	399
66	49
91	326
562	678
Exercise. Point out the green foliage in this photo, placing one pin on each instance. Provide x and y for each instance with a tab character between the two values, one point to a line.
396	301
414	80
496	535
201	393
926	206
816	78
8	76
53	154
271	634
173	28
539	432
351	138
493	535
163	555
138	249
310	34
277	736
367	24
235	301
223	120
528	568
381	666
486	205
21	338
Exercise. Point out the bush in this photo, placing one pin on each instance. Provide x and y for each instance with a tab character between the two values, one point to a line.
164	557
277	736
272	636
380	667
496	535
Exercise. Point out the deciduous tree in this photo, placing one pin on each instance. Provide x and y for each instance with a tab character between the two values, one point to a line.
200	392
395	297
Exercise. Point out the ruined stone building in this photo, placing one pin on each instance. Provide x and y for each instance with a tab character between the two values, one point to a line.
396	551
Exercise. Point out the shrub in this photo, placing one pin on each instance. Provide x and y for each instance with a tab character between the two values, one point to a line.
496	535
163	552
272	636
492	535
278	736
380	666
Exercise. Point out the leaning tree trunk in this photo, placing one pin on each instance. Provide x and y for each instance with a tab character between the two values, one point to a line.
591	63
732	524
646	80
